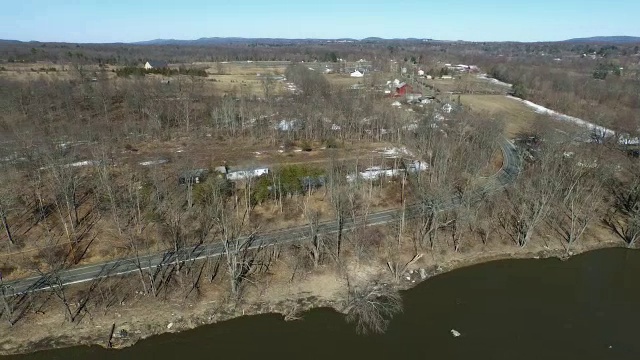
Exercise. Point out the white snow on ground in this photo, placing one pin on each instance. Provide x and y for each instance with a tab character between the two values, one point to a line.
84	163
246	174
75	164
394	152
154	162
376	172
600	130
12	158
494	81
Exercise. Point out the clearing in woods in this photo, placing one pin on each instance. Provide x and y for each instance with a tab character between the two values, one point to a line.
518	117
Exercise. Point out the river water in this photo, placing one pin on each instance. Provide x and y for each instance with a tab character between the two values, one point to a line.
583	308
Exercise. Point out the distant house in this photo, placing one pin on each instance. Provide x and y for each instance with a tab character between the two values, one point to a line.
357	74
195	176
155	65
447	108
420	72
403	89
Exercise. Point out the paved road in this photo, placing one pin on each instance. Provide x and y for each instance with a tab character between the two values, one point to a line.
506	175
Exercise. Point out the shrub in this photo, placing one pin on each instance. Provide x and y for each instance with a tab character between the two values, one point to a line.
331	143
306	146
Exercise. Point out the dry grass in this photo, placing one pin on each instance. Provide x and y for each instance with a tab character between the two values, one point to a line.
467	84
342	80
245	68
517	116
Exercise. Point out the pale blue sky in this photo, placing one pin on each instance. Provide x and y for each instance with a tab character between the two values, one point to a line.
473	20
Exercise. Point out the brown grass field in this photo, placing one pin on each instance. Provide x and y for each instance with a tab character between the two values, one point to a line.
467	84
517	116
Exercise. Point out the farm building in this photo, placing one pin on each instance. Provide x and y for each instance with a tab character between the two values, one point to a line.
403	89
357	74
155	65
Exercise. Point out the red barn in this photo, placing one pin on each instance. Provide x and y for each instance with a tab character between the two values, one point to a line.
403	89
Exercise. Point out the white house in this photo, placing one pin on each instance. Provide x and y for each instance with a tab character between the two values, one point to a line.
357	74
420	72
447	108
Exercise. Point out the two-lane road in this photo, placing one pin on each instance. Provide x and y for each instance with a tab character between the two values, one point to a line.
507	174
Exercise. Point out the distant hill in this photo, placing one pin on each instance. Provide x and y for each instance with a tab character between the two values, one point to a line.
606	39
236	40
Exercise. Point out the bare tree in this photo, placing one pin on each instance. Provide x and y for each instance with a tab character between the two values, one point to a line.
624	220
581	201
530	201
5	202
316	243
371	308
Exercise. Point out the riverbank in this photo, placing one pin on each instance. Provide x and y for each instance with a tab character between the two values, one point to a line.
140	316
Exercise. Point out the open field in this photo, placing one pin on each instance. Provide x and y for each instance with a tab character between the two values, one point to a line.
466	84
518	117
343	80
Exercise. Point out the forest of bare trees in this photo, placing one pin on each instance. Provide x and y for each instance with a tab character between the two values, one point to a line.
68	197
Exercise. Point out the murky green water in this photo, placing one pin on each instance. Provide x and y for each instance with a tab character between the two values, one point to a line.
584	308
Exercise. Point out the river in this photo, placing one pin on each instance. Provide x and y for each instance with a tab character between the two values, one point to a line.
583	308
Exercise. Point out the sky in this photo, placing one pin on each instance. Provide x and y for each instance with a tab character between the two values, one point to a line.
101	21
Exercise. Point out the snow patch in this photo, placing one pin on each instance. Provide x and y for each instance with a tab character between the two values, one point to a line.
600	130
494	81
154	162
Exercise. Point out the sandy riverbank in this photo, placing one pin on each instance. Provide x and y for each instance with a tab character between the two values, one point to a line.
141	316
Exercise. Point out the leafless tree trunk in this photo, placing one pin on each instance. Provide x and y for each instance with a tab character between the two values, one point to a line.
5	225
316	244
372	307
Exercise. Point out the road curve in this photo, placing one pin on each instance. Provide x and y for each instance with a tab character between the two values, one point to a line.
510	169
